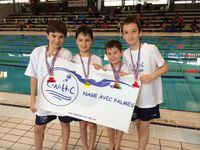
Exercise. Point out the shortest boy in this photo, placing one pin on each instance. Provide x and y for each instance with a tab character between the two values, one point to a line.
42	62
113	52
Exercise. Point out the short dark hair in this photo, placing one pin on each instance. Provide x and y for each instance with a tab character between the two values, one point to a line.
130	20
85	30
113	43
56	26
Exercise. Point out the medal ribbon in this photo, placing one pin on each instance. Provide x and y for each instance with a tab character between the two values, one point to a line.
83	66
134	69
116	72
50	67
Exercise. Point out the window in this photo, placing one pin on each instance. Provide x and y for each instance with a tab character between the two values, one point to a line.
11	1
183	2
132	2
112	2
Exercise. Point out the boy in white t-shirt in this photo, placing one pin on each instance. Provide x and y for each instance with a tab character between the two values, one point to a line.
147	65
113	51
41	62
84	39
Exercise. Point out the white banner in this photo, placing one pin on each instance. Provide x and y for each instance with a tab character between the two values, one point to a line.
99	103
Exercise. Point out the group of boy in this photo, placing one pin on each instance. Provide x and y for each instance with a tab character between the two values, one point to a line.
142	60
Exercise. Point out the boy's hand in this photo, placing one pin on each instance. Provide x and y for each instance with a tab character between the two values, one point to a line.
146	78
123	73
72	61
97	66
32	107
33	93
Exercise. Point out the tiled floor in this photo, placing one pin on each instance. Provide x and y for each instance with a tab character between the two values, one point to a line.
175	131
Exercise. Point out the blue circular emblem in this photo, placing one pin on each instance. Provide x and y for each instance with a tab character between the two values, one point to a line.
62	92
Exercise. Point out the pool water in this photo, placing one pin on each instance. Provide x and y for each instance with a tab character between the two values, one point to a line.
181	85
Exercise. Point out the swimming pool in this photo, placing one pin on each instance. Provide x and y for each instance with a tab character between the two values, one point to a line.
180	85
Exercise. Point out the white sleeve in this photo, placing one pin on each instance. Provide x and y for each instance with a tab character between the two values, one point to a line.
100	62
68	55
97	60
31	69
158	57
125	68
124	58
106	67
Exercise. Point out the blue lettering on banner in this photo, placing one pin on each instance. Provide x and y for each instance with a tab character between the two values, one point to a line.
94	95
122	102
62	87
109	99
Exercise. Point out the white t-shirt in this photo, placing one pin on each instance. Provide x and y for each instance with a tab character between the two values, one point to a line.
93	60
150	94
37	68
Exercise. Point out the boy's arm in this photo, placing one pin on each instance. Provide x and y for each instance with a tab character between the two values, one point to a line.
123	73
98	67
98	64
33	87
146	78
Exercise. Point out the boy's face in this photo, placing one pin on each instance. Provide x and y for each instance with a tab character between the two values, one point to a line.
131	33
114	55
56	39
84	42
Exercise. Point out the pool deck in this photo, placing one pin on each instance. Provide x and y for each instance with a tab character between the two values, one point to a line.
175	130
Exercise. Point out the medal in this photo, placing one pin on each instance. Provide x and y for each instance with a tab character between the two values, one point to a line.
51	79
116	76
135	84
134	69
117	86
50	67
86	84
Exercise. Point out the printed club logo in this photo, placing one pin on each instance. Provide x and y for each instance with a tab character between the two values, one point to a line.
62	92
